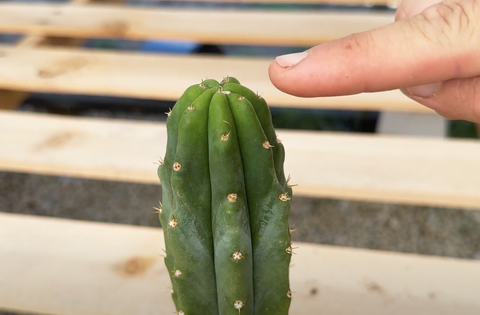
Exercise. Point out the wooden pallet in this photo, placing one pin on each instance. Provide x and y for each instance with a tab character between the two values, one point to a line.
58	266
53	266
51	69
419	171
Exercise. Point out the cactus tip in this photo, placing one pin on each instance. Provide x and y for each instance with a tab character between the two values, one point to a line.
289	294
241	98
169	112
181	313
177	273
191	107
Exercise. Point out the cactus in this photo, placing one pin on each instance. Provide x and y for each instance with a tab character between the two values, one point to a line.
225	204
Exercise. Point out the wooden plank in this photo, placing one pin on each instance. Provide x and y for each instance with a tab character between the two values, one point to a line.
13	99
145	75
389	3
218	26
59	266
420	171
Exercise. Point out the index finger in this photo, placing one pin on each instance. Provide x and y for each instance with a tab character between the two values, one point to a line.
428	47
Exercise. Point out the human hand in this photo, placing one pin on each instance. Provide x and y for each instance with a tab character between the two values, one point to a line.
431	53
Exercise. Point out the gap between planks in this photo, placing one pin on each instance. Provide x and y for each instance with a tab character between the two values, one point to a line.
62	266
395	169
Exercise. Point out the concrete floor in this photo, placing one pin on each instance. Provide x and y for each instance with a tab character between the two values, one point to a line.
422	230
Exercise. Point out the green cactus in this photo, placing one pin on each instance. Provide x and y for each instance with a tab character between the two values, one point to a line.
225	204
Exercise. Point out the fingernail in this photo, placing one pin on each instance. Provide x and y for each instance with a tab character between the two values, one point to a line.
423	91
291	59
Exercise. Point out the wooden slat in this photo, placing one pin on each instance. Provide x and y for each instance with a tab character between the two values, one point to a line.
142	75
389	3
421	171
58	266
13	99
204	25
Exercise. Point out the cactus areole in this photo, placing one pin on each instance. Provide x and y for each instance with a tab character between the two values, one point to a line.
225	204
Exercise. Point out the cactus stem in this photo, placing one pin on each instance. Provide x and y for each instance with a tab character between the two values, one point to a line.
159	208
191	107
237	256
232	197
177	273
238	305
267	145
169	112
284	197
176	166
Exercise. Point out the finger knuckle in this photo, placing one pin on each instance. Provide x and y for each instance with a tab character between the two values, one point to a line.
446	20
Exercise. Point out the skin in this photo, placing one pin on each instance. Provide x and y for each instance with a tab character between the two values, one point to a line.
429	52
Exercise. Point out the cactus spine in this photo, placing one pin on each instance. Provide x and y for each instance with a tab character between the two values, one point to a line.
225	204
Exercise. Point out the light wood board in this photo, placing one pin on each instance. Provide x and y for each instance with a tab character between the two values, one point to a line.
389	3
217	26
59	266
421	171
13	99
155	76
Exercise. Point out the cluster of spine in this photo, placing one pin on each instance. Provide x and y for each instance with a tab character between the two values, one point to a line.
225	204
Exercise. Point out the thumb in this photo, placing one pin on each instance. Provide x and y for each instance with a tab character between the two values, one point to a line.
433	46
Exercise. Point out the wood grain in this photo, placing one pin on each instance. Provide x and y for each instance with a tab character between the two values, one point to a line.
420	171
